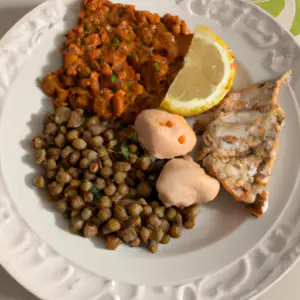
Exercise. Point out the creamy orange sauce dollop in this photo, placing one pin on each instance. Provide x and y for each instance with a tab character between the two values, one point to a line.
163	134
183	183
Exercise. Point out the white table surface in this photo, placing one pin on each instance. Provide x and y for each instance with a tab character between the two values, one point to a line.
288	288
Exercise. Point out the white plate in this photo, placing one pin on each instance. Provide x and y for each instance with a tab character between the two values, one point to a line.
229	255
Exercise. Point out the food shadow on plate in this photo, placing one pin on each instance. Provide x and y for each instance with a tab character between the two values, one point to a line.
35	125
10	289
218	219
99	243
54	59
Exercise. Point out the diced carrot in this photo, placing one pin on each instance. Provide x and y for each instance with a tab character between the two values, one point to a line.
118	103
100	105
169	124
106	69
84	82
82	102
95	84
118	106
70	59
93	40
81	14
107	94
181	139
105	38
62	95
139	90
51	83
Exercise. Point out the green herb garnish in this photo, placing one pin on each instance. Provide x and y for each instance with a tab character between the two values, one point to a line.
125	150
156	66
122	150
96	193
113	78
87	27
128	84
116	43
39	82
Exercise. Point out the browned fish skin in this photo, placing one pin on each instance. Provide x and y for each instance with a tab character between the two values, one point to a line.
241	140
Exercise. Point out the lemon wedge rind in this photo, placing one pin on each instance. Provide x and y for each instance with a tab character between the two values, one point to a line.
191	107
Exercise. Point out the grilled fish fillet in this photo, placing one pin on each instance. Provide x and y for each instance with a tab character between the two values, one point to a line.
240	142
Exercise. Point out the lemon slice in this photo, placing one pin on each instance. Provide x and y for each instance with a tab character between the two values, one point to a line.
205	78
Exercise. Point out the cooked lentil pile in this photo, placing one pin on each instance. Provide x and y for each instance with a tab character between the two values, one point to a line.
118	61
102	180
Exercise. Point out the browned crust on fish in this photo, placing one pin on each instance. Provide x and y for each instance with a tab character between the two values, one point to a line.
211	156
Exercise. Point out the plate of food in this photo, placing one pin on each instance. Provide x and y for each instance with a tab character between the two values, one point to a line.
149	150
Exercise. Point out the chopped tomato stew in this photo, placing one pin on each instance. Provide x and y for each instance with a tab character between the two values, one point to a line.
118	61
